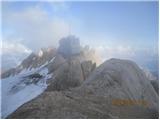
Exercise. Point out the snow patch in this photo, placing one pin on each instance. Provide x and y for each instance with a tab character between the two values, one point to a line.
23	87
43	72
52	59
40	53
12	100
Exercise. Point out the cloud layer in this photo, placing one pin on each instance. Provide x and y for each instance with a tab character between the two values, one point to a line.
9	47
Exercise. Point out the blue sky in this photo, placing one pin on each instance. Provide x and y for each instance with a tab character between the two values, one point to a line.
131	23
117	29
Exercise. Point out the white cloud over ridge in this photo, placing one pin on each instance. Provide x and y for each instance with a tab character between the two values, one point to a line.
29	29
16	48
12	53
35	26
117	51
126	52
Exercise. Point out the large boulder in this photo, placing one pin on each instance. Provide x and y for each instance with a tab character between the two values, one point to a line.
121	79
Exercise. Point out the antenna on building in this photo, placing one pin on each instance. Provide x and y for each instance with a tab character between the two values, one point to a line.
69	29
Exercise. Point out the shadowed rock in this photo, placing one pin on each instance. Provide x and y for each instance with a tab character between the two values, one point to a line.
155	84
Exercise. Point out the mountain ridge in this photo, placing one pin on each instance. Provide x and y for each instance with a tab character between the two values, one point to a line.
80	86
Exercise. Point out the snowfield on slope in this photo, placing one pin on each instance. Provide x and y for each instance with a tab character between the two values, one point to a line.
21	88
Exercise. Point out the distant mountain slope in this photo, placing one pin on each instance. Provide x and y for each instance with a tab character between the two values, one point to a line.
23	87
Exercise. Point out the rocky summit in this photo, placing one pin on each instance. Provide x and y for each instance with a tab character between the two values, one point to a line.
69	46
68	83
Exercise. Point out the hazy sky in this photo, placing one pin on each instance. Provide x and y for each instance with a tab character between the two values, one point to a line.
114	28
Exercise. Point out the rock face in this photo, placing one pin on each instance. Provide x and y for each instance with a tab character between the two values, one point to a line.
42	57
69	46
67	75
57	62
121	79
114	79
71	74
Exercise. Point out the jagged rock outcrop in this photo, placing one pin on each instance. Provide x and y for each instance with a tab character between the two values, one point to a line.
70	74
114	79
69	46
70	67
37	59
67	75
34	60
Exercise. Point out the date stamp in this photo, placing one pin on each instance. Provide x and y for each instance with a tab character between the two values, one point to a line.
129	102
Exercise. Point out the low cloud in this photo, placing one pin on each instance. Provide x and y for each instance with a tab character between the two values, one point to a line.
120	51
12	53
16	48
145	58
